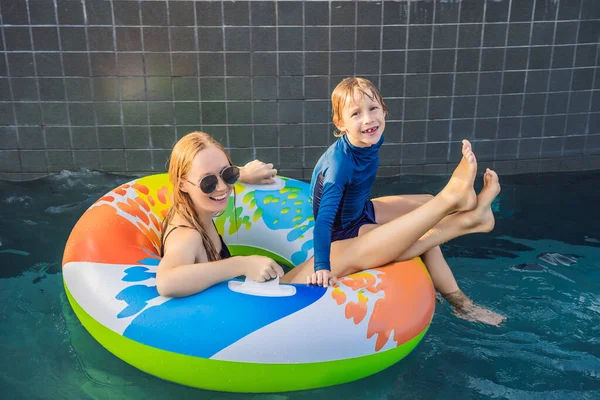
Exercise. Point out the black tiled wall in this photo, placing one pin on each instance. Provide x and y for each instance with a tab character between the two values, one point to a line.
111	84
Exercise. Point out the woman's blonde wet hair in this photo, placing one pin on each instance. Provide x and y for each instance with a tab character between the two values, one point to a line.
180	164
343	94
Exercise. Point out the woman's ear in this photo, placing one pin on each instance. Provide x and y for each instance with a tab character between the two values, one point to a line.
182	186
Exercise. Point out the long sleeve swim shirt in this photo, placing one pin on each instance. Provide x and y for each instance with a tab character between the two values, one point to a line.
340	187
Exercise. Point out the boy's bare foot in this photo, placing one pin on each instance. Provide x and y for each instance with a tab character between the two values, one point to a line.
459	191
481	219
465	308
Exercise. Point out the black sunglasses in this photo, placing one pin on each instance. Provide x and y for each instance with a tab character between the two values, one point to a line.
209	183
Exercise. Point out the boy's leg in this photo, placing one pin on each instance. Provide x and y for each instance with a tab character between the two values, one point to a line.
391	207
387	242
388	208
440	272
480	219
462	305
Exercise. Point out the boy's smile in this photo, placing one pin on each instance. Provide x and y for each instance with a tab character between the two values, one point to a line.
363	119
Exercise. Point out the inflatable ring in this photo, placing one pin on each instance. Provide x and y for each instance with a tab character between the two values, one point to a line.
237	336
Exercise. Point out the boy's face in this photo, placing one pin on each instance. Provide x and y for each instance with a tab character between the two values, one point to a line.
362	119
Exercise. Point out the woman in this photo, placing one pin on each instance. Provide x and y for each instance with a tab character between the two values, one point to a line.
195	256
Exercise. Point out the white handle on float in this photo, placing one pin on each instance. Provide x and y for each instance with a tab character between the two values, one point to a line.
270	288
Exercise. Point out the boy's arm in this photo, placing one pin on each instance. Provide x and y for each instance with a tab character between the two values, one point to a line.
331	198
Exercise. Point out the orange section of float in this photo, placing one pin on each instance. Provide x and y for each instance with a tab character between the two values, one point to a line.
102	236
123	226
402	283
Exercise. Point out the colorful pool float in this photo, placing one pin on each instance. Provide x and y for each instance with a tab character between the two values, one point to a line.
236	336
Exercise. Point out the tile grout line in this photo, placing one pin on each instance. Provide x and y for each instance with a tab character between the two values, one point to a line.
355	37
380	66
198	80
66	92
294	51
576	45
452	96
503	96
90	81
478	71
225	100
527	69
329	89
251	44
142	41
257	26
37	86
12	96
277	102
169	38
120	92
589	114
427	101
303	84
311	75
543	133
402	148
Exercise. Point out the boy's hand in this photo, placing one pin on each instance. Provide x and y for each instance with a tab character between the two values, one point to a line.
258	173
321	278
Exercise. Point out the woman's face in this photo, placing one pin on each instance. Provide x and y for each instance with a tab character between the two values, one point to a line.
210	161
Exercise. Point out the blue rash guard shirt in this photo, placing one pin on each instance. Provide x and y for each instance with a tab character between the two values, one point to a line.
340	186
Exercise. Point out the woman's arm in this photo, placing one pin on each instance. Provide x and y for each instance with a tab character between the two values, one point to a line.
257	172
179	275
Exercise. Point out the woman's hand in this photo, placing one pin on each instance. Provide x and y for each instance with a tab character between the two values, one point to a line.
260	268
322	278
257	172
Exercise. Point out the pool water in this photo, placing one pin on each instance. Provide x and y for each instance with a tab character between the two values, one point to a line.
540	267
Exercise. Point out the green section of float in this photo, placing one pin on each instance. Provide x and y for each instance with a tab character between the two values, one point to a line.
232	376
241	250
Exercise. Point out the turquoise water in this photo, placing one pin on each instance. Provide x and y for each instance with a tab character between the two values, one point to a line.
540	266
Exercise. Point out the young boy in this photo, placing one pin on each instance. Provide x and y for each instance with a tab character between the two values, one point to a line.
341	186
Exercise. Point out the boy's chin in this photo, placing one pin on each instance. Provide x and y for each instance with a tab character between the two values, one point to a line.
372	139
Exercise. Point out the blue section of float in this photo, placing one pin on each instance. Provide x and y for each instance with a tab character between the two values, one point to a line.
138	274
136	297
204	324
301	256
273	205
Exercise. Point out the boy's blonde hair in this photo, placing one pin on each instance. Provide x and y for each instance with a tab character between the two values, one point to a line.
344	92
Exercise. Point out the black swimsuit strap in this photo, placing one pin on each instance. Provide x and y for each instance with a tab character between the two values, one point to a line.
164	239
224	253
224	249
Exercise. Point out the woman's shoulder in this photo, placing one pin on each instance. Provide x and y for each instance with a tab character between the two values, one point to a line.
184	245
182	235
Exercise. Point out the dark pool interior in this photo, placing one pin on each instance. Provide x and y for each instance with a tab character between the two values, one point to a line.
540	267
